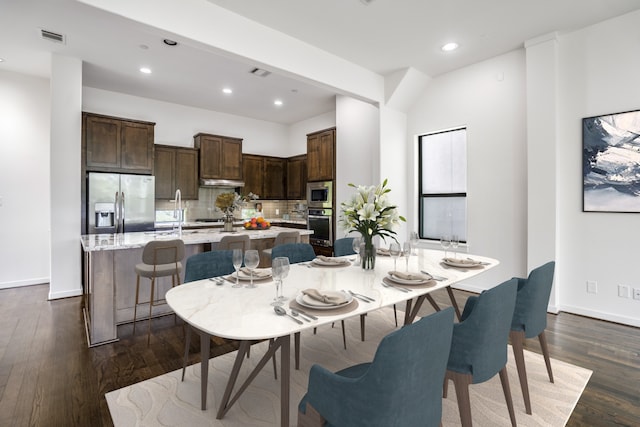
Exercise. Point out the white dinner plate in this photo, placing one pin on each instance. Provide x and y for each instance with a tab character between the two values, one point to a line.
401	281
342	263
307	301
461	263
246	276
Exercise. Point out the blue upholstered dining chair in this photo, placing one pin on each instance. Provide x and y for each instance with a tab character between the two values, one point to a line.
343	246
479	345
296	252
530	320
208	264
401	387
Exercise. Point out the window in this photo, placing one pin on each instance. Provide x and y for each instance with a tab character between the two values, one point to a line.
442	184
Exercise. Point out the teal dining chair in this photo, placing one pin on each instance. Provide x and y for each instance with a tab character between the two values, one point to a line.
343	246
296	252
401	387
479	346
530	320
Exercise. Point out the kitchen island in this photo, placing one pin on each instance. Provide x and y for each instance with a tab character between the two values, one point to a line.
109	272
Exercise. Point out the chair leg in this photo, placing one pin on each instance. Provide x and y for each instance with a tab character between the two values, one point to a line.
135	306
275	368
395	315
311	417
504	379
545	352
187	343
461	382
517	343
344	335
362	327
296	350
153	285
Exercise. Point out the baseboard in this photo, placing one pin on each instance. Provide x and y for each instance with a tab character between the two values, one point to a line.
600	315
21	283
65	294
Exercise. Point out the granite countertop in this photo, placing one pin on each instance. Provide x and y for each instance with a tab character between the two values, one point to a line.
214	224
108	242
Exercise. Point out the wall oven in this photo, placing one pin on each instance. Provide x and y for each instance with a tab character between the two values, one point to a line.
320	194
320	221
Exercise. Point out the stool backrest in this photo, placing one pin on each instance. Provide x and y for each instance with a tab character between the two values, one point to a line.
234	242
159	252
285	237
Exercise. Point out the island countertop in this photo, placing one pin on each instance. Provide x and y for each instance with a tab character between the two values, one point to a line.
110	242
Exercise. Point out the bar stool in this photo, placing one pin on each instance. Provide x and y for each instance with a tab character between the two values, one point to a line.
160	258
282	238
229	243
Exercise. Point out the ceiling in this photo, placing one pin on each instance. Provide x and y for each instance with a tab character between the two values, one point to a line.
381	35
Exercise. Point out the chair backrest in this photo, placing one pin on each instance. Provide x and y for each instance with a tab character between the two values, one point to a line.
159	252
284	237
241	241
532	300
296	252
479	345
343	246
402	386
208	264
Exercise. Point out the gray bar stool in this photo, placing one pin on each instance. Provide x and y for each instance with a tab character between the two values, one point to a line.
229	243
160	258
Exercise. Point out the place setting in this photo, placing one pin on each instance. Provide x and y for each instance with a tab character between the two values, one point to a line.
324	302
456	262
327	261
404	281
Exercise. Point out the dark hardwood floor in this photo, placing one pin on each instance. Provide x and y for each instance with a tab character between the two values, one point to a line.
48	376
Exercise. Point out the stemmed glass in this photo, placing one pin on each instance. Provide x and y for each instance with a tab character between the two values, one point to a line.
406	253
355	245
445	242
454	245
414	238
394	251
237	263
277	269
284	274
251	261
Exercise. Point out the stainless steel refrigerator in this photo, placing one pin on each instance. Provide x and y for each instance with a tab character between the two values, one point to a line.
118	203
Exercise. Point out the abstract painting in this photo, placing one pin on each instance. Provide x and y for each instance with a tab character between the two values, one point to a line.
611	163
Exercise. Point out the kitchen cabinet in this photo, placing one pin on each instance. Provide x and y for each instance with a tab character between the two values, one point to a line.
220	156
321	157
297	177
176	168
264	176
112	144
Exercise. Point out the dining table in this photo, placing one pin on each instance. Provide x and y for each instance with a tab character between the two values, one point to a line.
214	307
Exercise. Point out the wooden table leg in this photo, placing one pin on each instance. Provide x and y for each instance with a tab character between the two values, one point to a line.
285	371
205	349
453	302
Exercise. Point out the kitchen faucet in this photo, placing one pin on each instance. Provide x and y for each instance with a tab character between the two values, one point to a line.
177	210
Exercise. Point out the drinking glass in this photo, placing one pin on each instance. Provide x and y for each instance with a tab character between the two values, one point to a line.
454	245
394	251
285	273
251	261
355	245
406	253
277	268
445	242
237	263
414	238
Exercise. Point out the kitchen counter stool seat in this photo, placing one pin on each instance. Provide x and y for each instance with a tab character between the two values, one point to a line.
160	258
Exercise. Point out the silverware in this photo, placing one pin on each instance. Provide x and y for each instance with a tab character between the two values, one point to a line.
218	281
304	313
296	314
438	278
386	285
282	312
361	297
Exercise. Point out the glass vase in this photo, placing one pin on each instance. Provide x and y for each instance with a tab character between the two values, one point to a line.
367	254
228	223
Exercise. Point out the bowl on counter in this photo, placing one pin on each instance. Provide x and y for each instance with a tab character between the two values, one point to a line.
258	223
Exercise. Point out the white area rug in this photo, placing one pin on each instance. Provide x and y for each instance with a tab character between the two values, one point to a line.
166	401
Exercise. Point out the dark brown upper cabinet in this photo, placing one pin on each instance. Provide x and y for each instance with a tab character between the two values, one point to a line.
297	177
113	144
321	155
176	168
265	176
220	156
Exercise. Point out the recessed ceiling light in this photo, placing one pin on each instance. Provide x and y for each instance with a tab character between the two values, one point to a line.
1	59
145	70
449	47
144	47
277	102
227	90
170	42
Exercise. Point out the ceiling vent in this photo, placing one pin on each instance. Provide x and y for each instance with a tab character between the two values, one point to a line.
51	36
260	72
366	2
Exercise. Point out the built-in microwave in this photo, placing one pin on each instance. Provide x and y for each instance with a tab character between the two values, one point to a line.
320	194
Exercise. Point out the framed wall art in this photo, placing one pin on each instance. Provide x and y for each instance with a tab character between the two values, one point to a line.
611	163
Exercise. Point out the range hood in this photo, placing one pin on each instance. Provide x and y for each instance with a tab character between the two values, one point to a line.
227	183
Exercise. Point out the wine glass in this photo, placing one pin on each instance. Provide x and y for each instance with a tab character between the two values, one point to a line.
237	263
454	245
414	238
406	253
277	269
285	273
445	242
251	261
394	251
355	245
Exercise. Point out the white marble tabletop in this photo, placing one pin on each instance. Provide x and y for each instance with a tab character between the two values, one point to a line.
108	242
246	314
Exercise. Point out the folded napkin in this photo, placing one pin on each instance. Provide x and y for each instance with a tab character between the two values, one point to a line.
467	261
333	299
382	251
410	276
330	260
256	273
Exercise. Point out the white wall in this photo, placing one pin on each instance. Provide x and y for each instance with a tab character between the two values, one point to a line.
298	131
24	180
489	99
598	74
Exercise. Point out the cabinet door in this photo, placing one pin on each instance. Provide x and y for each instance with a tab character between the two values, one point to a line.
210	155
274	178
296	177
231	158
136	151
252	174
186	166
102	136
321	155
165	172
